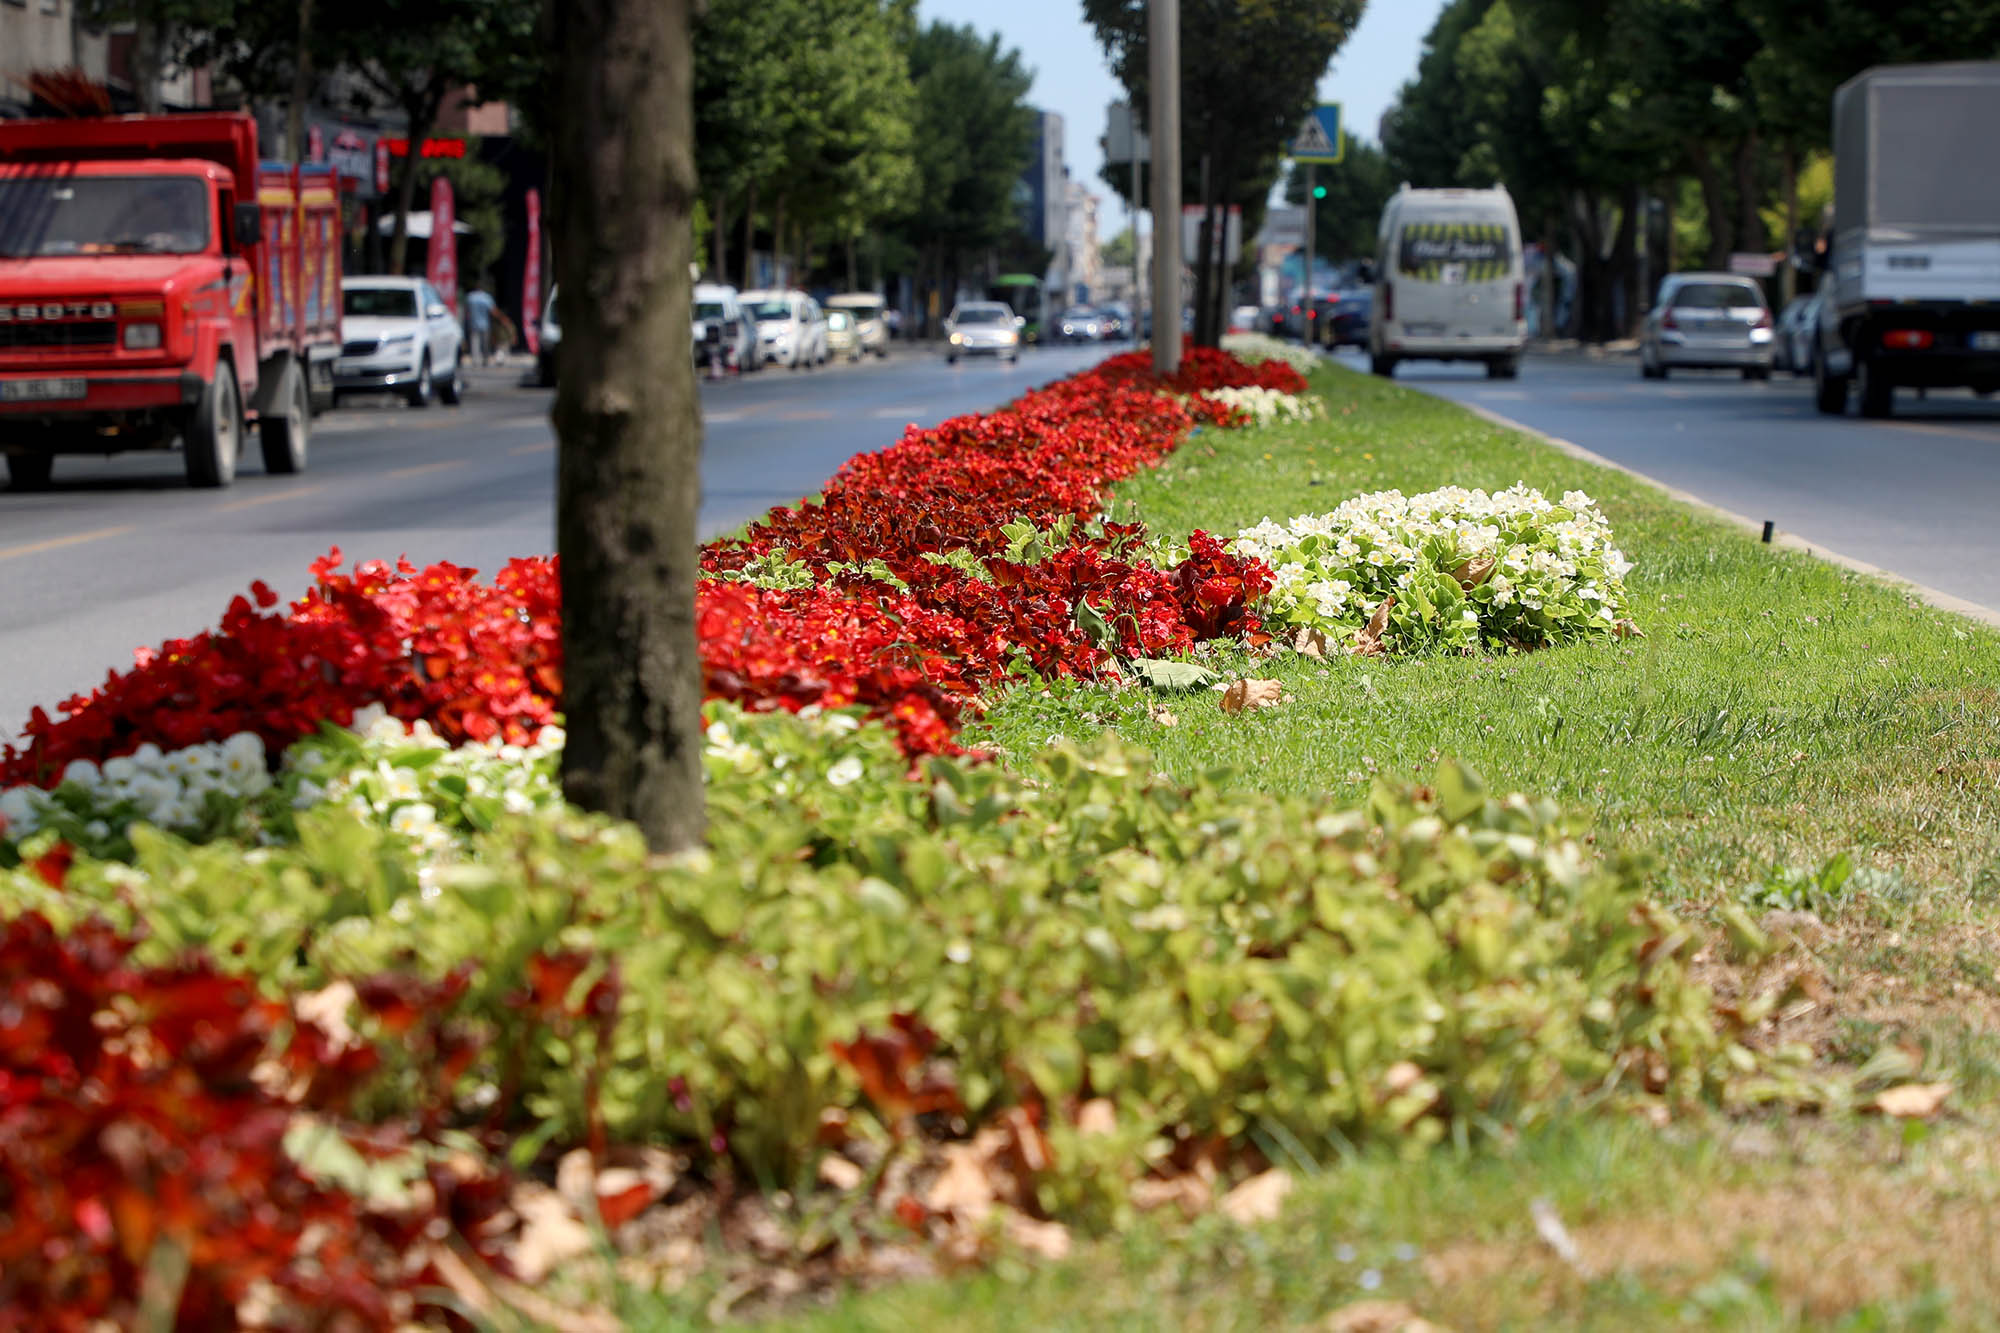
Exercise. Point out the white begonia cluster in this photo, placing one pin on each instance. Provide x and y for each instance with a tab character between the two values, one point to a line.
1513	565
1259	347
1264	406
166	788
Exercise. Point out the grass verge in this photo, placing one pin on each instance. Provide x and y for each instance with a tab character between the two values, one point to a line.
1779	712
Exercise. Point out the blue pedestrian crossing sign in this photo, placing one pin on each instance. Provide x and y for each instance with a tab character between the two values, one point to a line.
1319	139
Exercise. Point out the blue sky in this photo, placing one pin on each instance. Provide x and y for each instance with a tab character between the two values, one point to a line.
1073	79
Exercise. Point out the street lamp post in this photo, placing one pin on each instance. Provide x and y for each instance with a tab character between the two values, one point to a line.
1163	31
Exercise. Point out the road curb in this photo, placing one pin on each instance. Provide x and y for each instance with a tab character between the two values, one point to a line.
1791	541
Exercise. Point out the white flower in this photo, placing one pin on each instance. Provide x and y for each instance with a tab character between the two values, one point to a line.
845	770
366	717
413	820
21	807
83	773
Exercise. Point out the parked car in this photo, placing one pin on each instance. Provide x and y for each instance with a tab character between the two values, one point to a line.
1709	321
790	328
1346	322
1243	319
1117	322
551	338
983	328
843	335
871	319
1781	344
398	336
1080	323
723	338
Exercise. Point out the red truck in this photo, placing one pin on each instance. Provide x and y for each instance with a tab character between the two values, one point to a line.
162	287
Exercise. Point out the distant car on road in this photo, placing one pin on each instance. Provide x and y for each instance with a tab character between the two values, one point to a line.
1243	319
1345	322
983	328
722	330
790	328
550	335
1707	321
871	320
1797	339
1080	323
1117	322
398	336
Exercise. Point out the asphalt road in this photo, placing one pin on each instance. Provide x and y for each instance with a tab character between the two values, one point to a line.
1918	494
120	553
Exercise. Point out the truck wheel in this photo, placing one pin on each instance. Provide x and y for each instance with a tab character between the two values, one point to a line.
1384	366
215	435
451	389
420	392
1878	392
286	429
29	472
1503	368
1829	389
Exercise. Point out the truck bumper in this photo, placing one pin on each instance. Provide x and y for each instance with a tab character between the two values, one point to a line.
1950	369
104	393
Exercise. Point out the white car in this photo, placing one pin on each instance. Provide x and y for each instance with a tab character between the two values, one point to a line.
983	328
398	336
790	328
550	338
722	328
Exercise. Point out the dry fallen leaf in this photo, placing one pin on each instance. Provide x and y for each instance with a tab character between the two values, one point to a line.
550	1233
1378	1317
1244	695
486	1293
839	1173
1258	1199
1096	1116
1368	643
965	1188
1402	1076
1165	718
1549	1226
1050	1240
1310	642
327	1009
1190	1193
1625	629
1471	573
1912	1101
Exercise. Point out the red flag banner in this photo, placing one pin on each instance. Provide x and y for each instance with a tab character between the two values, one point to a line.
531	280
442	268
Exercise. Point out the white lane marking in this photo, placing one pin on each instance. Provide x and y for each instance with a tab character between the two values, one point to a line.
57	543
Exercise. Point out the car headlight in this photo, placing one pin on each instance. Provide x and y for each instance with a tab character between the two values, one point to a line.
400	340
957	338
1008	335
142	337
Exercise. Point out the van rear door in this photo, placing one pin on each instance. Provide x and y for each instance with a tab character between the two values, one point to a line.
1455	276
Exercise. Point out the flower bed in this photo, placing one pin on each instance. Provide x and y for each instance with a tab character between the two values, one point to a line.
1464	569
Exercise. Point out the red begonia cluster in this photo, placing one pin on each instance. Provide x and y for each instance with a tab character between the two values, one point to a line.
479	661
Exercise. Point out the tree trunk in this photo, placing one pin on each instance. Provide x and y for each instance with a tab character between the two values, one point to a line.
778	276
1791	280
1204	263
721	233
1750	227
149	40
1721	234
750	237
295	115
422	114
853	274
627	416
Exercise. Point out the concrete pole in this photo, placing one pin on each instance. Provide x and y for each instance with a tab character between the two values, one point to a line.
1306	330
1163	35
1138	278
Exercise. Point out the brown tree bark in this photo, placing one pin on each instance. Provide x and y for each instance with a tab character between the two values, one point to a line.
750	238
1721	228
626	414
721	230
1750	224
422	112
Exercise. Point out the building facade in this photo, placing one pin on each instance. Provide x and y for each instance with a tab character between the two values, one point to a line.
47	37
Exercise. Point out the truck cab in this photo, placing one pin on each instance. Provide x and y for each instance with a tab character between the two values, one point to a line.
161	288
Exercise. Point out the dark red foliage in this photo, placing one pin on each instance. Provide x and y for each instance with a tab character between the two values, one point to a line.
139	1119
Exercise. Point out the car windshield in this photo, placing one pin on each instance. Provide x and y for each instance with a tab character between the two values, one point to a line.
766	311
984	314
380	302
709	310
101	215
1716	296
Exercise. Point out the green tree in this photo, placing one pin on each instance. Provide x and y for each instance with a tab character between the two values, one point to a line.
416	53
1250	71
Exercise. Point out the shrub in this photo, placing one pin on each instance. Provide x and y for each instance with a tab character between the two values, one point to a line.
1435	963
1465	568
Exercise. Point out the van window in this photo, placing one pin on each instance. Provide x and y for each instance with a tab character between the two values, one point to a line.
1484	248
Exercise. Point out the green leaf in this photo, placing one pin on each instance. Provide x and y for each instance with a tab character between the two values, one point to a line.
1166	676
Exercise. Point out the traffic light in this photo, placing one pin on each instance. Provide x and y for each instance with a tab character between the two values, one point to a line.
1319	192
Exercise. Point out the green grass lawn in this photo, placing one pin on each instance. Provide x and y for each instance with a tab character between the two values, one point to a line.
1778	712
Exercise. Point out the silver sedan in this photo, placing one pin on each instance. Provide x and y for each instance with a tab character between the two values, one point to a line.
1707	321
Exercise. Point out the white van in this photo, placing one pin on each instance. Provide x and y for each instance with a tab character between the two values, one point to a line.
1449	285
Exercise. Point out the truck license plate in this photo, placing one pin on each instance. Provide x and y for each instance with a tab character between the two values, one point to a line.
1986	342
40	391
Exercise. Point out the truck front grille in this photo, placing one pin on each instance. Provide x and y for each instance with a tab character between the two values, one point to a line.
85	333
